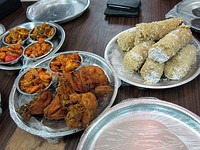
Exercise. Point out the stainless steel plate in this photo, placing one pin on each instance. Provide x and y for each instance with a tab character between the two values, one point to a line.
54	129
57	41
58	11
2	29
143	124
115	58
189	10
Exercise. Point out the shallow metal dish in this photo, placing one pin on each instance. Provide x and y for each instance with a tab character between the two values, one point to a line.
115	57
54	129
58	11
143	124
185	9
2	30
57	41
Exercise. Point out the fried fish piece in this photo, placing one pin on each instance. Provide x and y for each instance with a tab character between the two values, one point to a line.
81	113
102	91
36	106
91	77
55	110
74	116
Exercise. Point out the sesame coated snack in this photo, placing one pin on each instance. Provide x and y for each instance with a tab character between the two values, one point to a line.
179	65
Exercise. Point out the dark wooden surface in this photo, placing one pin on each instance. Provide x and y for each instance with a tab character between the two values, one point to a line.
92	32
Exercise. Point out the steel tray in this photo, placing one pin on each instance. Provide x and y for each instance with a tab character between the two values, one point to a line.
49	129
189	10
58	11
143	124
57	41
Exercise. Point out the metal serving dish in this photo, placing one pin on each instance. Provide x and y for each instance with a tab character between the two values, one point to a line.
143	124
55	129
190	11
58	11
2	30
115	57
57	41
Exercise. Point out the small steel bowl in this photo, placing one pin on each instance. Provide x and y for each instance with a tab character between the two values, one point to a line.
53	58
14	61
8	32
39	57
48	39
21	76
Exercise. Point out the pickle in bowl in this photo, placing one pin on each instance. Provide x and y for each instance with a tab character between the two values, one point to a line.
34	80
16	35
11	54
37	50
45	31
66	62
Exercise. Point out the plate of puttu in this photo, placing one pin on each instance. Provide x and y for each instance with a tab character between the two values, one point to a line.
156	55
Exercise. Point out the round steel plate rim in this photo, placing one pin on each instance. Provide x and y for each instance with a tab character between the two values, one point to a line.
148	86
135	101
184	4
4	67
3	30
15	116
69	18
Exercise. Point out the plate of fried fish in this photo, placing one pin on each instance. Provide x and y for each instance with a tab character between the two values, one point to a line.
157	55
76	96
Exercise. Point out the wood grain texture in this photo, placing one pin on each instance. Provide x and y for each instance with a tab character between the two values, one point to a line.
91	32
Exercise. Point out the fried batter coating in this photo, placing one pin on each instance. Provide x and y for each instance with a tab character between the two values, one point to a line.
74	116
102	91
55	111
91	77
36	106
81	114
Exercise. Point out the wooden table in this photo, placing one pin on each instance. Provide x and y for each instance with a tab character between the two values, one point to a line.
92	32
